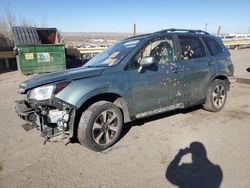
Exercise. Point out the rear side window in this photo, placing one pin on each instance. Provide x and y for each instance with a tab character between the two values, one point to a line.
212	45
191	47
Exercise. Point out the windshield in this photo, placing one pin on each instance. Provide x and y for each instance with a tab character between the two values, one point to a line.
113	55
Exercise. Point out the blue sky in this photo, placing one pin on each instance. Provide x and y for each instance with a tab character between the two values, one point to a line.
120	15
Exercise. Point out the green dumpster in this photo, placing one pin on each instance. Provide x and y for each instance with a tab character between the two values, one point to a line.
38	50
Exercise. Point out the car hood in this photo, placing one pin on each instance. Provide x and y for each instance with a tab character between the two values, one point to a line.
72	74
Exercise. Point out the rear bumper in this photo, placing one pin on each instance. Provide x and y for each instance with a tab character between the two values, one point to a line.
231	79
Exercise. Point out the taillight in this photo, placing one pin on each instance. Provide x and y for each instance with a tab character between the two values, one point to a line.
231	68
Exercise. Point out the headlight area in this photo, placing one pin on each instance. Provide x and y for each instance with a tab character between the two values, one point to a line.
47	113
47	91
42	93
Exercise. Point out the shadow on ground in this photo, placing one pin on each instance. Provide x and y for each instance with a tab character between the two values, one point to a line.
140	122
243	80
200	173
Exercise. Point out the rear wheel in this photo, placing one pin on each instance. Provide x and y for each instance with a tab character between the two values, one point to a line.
216	96
100	126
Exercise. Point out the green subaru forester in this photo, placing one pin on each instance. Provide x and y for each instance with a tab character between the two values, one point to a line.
140	76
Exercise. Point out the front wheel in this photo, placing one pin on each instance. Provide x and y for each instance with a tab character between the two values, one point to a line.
216	96
100	126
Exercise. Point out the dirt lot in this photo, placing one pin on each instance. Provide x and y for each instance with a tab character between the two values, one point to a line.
141	157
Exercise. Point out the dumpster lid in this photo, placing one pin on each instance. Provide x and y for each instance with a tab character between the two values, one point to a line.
49	35
26	35
33	35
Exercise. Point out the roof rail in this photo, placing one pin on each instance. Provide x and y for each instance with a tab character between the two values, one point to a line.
182	30
171	30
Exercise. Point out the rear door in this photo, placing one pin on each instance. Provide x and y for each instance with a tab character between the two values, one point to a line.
198	68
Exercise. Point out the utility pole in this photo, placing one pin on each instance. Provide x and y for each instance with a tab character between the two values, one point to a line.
206	27
134	29
218	33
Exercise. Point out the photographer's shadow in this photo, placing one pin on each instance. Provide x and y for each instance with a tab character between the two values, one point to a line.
201	173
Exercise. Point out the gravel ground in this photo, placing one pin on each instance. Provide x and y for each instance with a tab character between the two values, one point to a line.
143	155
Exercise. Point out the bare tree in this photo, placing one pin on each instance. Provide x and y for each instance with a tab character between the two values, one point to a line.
7	21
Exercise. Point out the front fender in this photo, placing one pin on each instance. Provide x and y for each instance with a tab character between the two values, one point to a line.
79	91
95	92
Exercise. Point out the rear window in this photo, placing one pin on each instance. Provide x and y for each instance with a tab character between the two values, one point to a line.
212	45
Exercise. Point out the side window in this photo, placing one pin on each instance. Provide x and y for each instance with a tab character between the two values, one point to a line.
212	45
162	50
191	47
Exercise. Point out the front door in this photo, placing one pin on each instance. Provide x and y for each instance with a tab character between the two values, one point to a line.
160	85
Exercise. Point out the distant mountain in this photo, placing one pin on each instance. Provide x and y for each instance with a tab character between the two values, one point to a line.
95	35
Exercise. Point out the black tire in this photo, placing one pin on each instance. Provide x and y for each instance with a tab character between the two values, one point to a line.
216	96
97	129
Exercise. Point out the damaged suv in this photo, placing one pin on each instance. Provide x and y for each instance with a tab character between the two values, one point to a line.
140	76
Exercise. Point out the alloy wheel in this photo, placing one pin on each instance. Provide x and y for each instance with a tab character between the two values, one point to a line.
219	95
105	127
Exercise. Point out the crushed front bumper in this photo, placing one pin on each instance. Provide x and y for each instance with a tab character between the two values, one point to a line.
50	120
24	111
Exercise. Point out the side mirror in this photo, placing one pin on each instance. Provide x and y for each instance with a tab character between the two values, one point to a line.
146	62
